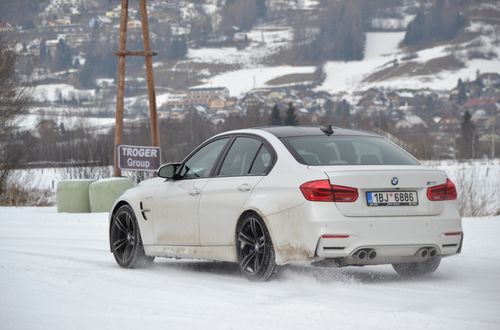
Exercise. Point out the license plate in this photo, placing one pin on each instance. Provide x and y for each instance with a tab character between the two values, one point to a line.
391	198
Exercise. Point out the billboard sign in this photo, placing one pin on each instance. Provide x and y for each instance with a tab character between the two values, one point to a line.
139	158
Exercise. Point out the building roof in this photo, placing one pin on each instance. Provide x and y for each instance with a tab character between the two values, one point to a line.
207	89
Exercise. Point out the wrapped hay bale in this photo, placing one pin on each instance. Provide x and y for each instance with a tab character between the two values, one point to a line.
103	193
73	196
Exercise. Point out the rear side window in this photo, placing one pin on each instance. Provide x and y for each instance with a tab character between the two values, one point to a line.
247	156
347	150
262	162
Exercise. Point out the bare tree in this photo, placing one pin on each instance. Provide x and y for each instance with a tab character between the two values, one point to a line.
14	101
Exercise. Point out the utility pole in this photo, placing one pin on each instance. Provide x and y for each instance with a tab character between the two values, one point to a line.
493	136
122	53
148	58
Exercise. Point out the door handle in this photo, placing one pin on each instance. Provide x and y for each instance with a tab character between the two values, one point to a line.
195	191
245	187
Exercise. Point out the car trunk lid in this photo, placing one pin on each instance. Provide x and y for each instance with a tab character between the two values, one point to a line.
389	179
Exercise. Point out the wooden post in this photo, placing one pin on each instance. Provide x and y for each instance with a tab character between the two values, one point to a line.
153	117
122	53
120	89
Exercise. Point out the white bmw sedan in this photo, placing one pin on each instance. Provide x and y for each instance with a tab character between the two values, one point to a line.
278	195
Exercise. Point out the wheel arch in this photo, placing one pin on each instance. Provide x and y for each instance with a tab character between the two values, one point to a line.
252	211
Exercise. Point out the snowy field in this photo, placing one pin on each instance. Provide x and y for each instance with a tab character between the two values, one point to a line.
241	81
477	184
478	176
56	273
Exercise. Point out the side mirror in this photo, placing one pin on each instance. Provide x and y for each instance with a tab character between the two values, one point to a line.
168	171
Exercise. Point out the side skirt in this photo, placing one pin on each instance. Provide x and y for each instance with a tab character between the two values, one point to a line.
216	253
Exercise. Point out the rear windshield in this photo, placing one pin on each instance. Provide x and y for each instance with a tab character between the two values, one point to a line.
347	150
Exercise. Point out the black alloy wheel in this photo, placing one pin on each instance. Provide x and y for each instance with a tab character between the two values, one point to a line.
126	241
256	256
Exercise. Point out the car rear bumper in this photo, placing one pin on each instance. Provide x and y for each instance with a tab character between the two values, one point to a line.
316	231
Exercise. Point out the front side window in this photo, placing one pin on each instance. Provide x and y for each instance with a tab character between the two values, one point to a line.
240	157
347	150
200	164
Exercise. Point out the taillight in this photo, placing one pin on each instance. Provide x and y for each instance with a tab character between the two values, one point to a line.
334	236
344	194
443	192
323	191
317	191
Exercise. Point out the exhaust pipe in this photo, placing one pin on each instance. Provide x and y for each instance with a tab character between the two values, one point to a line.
361	254
424	253
432	252
372	254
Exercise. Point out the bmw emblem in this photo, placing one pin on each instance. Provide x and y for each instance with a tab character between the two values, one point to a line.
394	181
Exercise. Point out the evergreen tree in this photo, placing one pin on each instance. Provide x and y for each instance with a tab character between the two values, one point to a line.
462	92
415	31
62	57
99	62
178	48
242	14
291	118
440	23
342	114
275	118
468	138
261	8
341	34
87	75
43	52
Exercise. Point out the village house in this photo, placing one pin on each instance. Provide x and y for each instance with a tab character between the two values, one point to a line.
203	96
64	21
5	27
218	102
134	24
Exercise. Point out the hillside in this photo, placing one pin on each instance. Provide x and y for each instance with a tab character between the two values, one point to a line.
209	41
407	68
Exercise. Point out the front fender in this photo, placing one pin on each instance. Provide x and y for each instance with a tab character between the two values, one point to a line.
134	197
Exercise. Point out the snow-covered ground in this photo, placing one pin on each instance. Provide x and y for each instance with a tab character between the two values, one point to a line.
56	273
382	49
242	81
477	184
30	122
263	41
61	92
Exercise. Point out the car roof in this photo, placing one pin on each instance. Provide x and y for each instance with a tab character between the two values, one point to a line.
289	131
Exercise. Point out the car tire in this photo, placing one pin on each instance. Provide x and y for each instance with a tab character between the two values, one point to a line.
418	268
254	248
126	241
